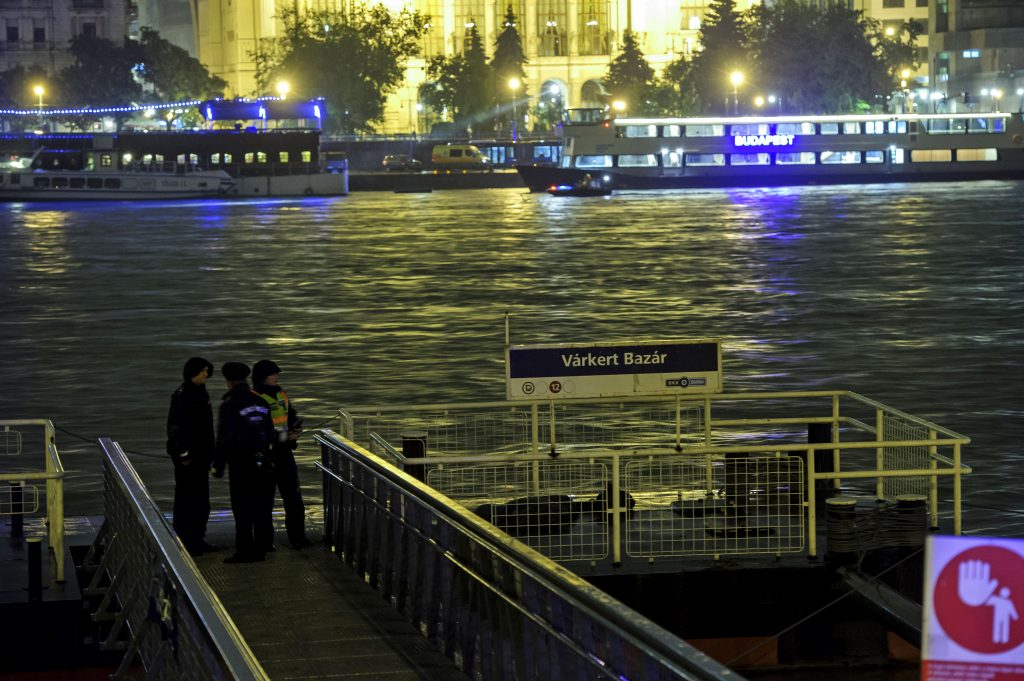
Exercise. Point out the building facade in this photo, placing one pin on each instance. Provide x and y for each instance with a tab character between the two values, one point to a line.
38	33
977	54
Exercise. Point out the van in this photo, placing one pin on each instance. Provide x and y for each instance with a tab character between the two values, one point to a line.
459	156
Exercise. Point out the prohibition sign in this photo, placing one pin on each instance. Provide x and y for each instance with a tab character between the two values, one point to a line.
979	599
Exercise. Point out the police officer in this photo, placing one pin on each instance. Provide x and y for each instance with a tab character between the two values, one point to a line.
288	426
244	435
190	445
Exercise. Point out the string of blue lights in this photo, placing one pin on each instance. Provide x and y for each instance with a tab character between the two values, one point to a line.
114	109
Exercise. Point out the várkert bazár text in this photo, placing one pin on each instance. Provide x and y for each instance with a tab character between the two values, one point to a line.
576	359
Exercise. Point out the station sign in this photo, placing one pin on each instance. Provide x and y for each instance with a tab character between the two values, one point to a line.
973	609
613	369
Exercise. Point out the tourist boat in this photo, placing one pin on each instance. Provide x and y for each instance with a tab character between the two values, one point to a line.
578	190
670	153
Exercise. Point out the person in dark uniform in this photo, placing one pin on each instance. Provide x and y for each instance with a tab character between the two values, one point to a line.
244	435
190	444
287	426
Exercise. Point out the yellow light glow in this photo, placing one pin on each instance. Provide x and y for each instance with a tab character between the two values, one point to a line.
759	101
736	78
38	90
890	31
619	105
514	84
282	88
905	73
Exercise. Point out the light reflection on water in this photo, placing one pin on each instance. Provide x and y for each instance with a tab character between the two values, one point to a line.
908	294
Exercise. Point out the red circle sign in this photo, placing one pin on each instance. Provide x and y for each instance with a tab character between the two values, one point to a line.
976	597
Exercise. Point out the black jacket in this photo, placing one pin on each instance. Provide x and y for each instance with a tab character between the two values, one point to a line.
190	425
244	429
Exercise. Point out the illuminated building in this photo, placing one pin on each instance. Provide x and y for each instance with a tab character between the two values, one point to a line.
37	34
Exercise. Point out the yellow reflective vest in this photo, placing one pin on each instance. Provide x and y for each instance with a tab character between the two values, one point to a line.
278	409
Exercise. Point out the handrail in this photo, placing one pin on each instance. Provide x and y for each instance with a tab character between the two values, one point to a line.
231	648
54	477
636	630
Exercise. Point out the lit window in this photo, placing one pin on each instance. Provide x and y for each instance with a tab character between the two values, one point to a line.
594	161
829	128
282	156
641	131
874	127
705	159
874	156
638	160
931	155
672	131
851	128
261	156
803	128
307	156
840	157
106	161
672	159
749	159
227	158
705	131
250	157
749	129
976	155
215	159
971	54
804	158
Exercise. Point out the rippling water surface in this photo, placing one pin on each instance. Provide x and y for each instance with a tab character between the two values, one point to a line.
911	294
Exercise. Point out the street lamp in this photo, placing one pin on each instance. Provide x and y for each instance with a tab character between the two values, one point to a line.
38	89
1020	105
618	106
513	84
997	94
736	78
282	88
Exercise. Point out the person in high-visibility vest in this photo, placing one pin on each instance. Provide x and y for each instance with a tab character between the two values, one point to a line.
288	426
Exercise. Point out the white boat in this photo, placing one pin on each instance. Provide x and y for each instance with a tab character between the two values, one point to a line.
669	153
28	184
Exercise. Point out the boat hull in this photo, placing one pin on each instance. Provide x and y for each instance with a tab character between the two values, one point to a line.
541	178
59	185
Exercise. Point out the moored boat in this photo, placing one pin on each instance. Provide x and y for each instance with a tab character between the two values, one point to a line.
577	190
668	153
86	185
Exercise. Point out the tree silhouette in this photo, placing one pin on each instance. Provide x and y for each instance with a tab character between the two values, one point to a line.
506	64
630	78
724	41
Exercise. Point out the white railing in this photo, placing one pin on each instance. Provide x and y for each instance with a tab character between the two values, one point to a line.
13	450
696	475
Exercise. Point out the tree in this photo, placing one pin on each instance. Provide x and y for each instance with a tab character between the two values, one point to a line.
175	75
17	86
441	90
674	91
100	76
724	52
854	63
354	58
506	64
630	78
473	95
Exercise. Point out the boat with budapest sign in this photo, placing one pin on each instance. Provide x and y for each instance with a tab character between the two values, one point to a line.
668	153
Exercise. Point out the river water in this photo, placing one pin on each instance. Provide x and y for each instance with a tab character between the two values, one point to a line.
910	294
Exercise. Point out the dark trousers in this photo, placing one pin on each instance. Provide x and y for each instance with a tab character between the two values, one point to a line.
286	476
191	503
252	503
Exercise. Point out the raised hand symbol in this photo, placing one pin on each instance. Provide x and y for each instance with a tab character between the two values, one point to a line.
974	586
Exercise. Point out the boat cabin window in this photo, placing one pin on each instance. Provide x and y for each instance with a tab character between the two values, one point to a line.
641	131
111	183
307	156
790	158
638	161
215	159
77	182
94	183
60	183
261	157
716	130
41	182
977	155
931	155
106	161
594	161
795	129
583	116
851	128
228	158
874	127
874	156
750	159
672	159
705	159
840	157
897	126
249	157
147	159
282	156
181	159
672	131
829	128
749	129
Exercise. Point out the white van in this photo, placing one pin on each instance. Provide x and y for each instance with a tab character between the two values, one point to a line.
459	156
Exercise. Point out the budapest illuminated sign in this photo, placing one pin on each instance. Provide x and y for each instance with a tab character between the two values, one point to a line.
764	140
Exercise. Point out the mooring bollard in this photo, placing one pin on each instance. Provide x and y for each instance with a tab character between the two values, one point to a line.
841	530
35	569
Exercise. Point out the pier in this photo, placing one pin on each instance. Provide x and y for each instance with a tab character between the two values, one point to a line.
410	582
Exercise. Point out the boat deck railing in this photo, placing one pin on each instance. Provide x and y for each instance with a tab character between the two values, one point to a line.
500	609
651	478
21	471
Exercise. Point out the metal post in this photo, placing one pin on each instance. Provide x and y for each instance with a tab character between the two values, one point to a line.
616	519
535	428
551	412
933	483
812	511
837	483
957	479
879	454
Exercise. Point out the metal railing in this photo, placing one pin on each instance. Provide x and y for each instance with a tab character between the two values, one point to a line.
496	607
700	475
12	448
158	607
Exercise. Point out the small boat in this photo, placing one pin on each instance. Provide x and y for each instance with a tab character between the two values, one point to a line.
578	190
88	185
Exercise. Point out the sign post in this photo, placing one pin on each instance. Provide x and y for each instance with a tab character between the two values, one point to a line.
973	609
613	369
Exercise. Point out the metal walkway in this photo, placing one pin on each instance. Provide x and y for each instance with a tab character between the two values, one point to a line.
306	615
